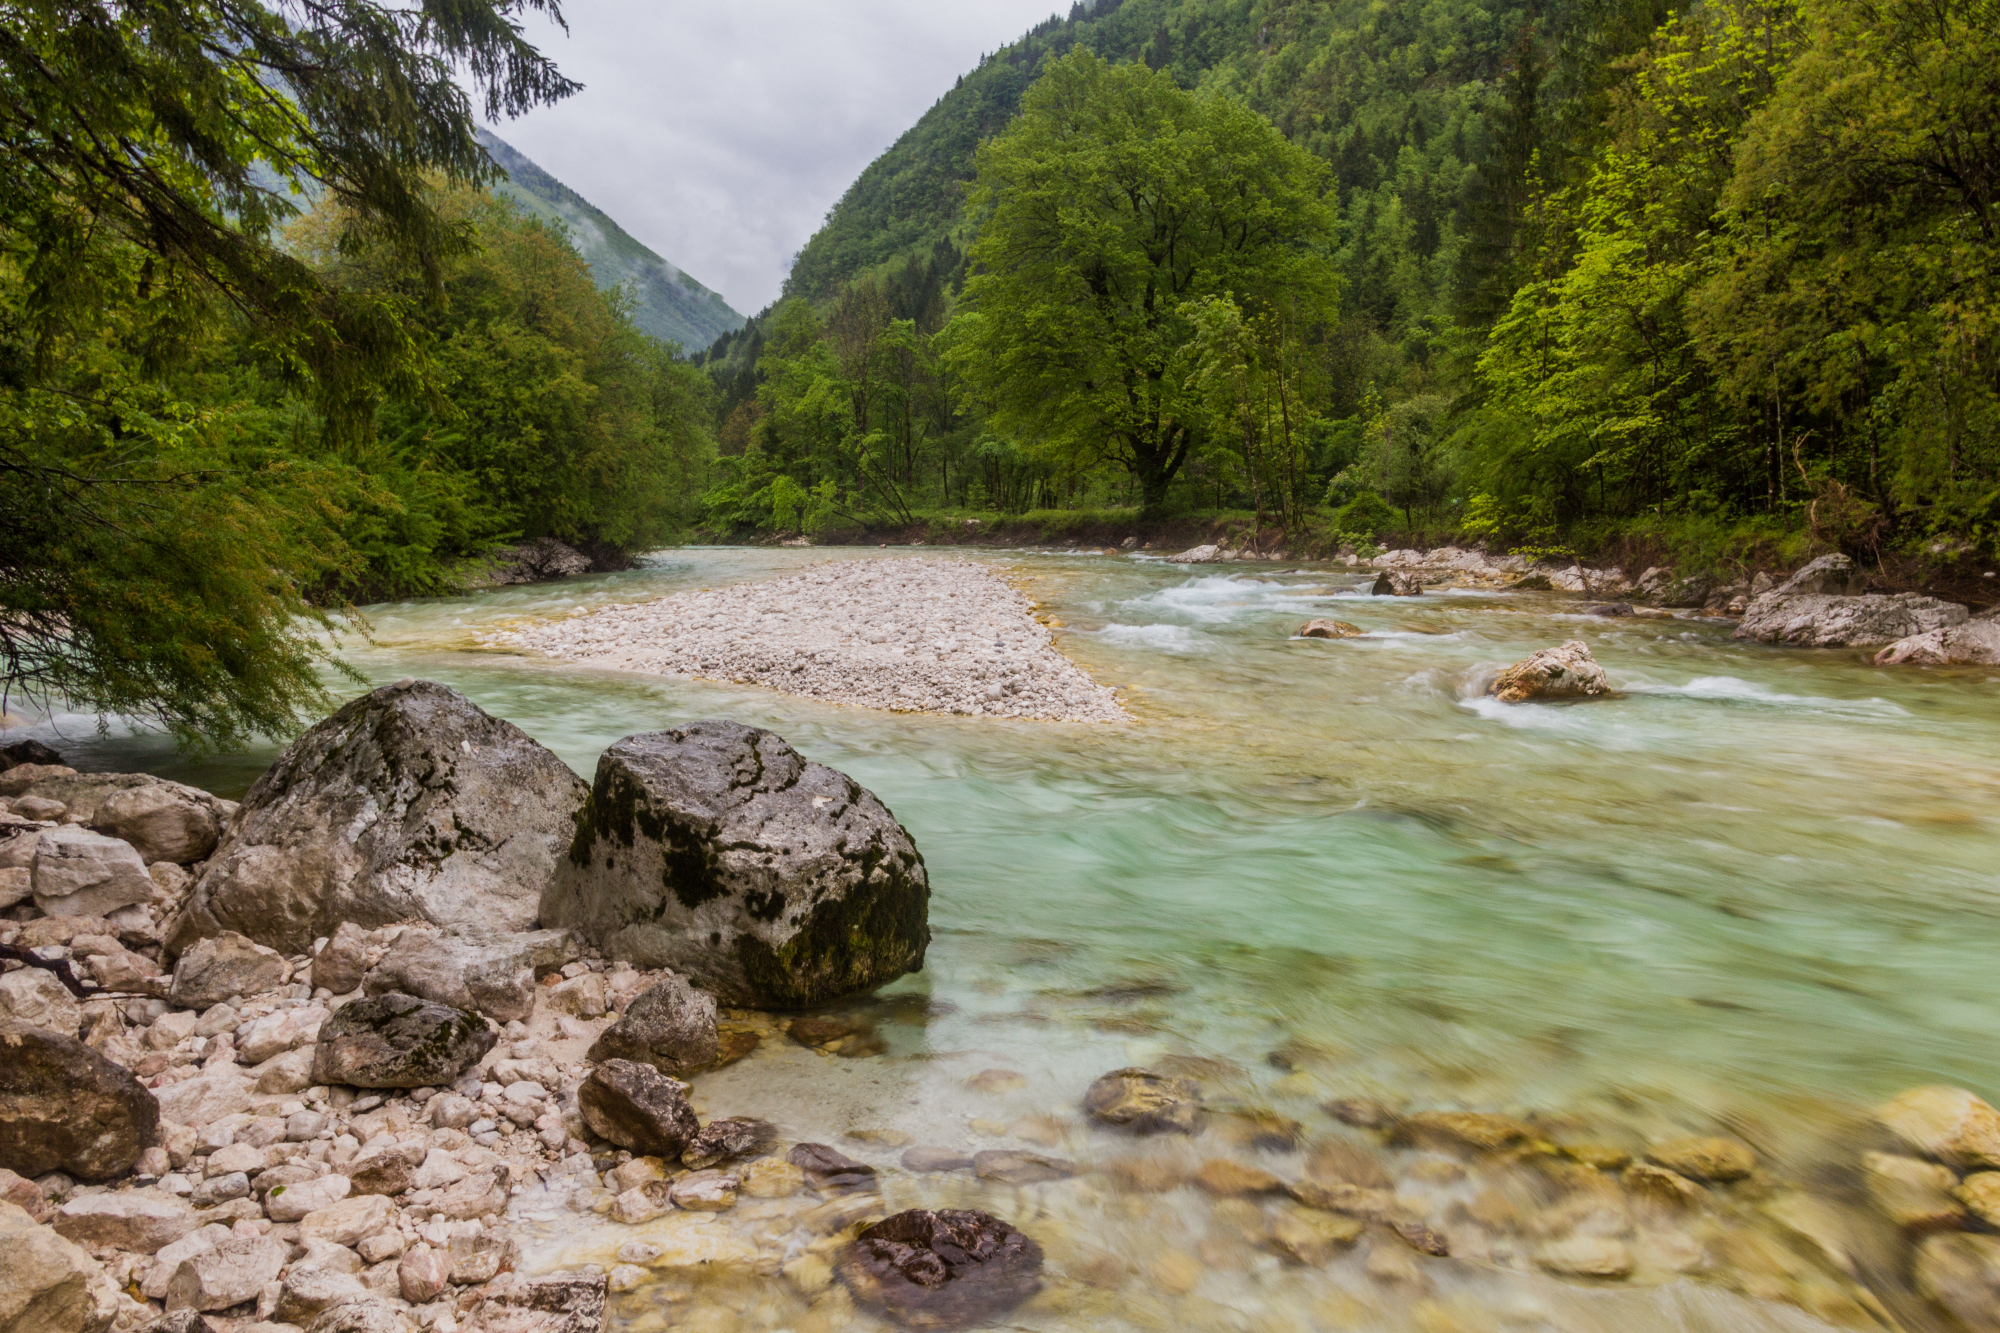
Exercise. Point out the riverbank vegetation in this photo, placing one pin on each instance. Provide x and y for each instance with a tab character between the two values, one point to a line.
277	351
1713	281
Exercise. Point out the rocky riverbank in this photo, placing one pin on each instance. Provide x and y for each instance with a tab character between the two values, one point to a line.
320	1093
910	635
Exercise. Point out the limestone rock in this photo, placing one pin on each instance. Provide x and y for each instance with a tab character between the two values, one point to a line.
1395	583
48	1284
705	1191
235	1271
142	1221
490	971
1463	1131
369	1316
293	1203
1311	1238
943	1269
1020	1168
64	1107
349	1221
34	997
531	562
222	968
399	1041
1144	1101
564	1302
206	1098
670	1027
1586	1256
410	803
1197	555
1227	1179
308	1290
422	1274
638	1108
1914	1194
717	850
280	1031
1949	1124
342	960
830	1170
1660	1185
164	821
1822	606
1564	672
1974	643
1328	629
1705	1158
1979	1192
926	1159
1961	1272
80	873
480	1194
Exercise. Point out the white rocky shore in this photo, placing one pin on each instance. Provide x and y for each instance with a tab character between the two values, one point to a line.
934	636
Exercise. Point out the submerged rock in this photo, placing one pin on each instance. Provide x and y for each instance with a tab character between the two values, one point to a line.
670	1027
716	850
830	1170
1329	629
726	1140
1961	1272
64	1107
1145	1102
1949	1124
1564	672
944	1269
408	803
399	1041
1974	643
638	1108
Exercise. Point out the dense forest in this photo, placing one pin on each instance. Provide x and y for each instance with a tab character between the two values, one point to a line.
228	414
1709	276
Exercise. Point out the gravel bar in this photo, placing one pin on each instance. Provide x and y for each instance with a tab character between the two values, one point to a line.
910	635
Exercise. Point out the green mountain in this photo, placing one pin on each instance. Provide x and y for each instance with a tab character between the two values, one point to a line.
666	302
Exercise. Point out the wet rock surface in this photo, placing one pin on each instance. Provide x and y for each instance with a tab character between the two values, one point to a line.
1144	1101
638	1108
408	803
1973	643
718	851
1567	671
944	1269
1329	629
398	1041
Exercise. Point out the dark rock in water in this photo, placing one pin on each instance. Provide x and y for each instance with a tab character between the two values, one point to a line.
534	561
1020	1168
770	882
1532	583
837	1034
1145	1102
1389	583
923	1158
945	1269
1609	609
670	1027
408	803
64	1107
399	1041
725	1140
27	752
225	967
638	1108
831	1171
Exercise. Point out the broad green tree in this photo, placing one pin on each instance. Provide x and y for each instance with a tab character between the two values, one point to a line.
1113	209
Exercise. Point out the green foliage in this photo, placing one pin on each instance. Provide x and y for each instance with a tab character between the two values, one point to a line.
1364	516
1118	209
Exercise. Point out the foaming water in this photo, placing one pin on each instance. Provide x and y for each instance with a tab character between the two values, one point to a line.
1755	890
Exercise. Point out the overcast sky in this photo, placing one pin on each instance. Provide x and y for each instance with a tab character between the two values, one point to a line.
720	132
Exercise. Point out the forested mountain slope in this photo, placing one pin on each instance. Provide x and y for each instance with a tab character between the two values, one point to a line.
667	303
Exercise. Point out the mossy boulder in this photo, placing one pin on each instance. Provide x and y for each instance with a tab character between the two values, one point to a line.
717	851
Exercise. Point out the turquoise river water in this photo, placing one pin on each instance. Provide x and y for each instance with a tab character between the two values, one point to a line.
1756	892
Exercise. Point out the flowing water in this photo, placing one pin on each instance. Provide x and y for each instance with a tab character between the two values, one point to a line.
1756	892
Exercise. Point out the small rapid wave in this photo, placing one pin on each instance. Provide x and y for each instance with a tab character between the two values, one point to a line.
1217	598
1166	638
1729	689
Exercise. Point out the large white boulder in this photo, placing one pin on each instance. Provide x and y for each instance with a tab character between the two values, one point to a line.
1973	643
80	873
410	803
1821	607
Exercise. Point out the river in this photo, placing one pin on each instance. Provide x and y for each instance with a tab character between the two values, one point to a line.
1755	892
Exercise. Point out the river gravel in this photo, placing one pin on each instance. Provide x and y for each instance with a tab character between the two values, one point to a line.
911	635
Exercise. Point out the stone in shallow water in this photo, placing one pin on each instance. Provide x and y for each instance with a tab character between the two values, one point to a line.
1980	1192
1586	1256
1144	1101
926	1159
1329	629
945	1269
1462	1131
1020	1168
724	1140
1961	1272
1949	1124
1564	672
1311	1238
1227	1179
1663	1186
1705	1158
831	1171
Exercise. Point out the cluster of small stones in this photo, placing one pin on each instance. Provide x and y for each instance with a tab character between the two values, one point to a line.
910	635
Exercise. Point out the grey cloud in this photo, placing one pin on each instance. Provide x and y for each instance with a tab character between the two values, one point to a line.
721	133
